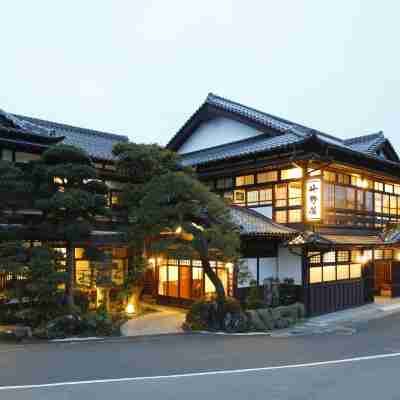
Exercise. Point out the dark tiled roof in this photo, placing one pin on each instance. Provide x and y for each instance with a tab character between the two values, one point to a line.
253	223
98	144
249	146
286	133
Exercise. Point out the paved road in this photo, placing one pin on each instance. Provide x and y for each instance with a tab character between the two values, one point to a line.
149	357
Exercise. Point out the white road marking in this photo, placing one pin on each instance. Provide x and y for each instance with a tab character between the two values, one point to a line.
206	373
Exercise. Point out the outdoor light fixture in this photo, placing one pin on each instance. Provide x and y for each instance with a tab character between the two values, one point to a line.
178	230
130	309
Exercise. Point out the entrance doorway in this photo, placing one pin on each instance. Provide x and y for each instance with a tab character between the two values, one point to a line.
383	278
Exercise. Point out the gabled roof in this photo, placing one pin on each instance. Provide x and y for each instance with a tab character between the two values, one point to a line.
98	144
253	223
278	133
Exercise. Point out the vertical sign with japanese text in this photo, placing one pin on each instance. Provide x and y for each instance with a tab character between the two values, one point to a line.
313	200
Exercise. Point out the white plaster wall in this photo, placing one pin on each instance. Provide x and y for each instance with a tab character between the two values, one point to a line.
216	132
289	265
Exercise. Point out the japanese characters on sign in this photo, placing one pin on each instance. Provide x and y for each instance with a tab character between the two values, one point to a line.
313	200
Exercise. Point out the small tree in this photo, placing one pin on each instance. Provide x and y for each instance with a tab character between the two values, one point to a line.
194	217
70	196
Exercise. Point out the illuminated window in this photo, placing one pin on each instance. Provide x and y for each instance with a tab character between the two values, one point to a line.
79	252
314	257
342	256
378	254
295	194
355	256
228	196
83	272
343	179
268	176
329	257
397	189
360	200
340	197
388	188
58	181
329	273
369	204
162	280
330	176
378	186
315	274
197	282
393	205
386	204
244	180
295	216
281	195
173	280
342	272
350	198
266	196
292	173
209	287
355	271
281	217
378	203
329	195
239	196
252	197
114	199
388	254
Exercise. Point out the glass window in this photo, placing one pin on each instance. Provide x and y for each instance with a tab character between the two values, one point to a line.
197	282
386	204
355	256
244	180
25	157
281	195
342	272
329	257
388	188
162	281
7	155
393	205
265	196
369	203
314	257
295	194
329	195
185	281
295	216
292	173
342	256
228	196
79	252
350	198
223	276
281	216
397	189
343	179
360	200
209	287
267	176
355	271
388	254
340	197
313	172
329	273
330	176
315	274
252	197
378	203
239	196
224	183
83	272
378	254
378	186
173	280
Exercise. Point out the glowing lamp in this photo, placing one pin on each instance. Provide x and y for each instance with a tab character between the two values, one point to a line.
130	309
178	230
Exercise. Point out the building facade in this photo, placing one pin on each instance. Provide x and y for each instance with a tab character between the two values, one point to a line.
342	197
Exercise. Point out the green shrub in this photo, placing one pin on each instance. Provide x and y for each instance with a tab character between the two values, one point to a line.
255	322
266	317
255	298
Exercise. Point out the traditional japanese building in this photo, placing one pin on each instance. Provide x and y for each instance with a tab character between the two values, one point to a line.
341	196
23	139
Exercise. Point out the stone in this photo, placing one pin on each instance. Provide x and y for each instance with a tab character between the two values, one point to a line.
22	332
255	321
266	317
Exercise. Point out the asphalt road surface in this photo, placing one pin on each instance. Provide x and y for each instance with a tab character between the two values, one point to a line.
364	365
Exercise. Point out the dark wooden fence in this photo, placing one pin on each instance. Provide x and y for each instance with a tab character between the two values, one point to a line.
329	297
